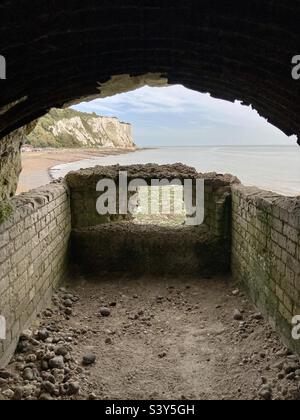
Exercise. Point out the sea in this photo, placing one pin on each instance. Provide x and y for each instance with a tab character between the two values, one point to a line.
272	168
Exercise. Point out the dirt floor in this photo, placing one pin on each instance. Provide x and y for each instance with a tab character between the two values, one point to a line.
114	337
37	163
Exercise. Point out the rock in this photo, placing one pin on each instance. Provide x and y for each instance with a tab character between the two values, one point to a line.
42	335
237	315
31	358
44	365
279	365
105	312
235	292
45	397
8	393
291	376
62	351
18	394
297	373
290	368
68	311
68	303
108	341
49	387
266	393
28	374
89	359
162	355
48	313
258	316
26	335
23	347
73	388
68	296
57	363
4	374
48	377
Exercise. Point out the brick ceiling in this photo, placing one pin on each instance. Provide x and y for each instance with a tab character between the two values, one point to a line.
60	50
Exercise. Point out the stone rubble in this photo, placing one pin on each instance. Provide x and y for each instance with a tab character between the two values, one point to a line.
44	366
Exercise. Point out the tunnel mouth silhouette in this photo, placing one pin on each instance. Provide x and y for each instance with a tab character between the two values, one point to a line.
69	52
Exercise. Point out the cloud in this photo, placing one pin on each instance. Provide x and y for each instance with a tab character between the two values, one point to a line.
177	112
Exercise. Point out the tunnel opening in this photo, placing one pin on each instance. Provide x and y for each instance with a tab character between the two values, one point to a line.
174	312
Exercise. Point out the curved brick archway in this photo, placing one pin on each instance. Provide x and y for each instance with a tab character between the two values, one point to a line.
59	51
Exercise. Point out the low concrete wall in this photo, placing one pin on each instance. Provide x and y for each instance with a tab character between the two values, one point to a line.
266	254
33	257
113	243
148	249
84	195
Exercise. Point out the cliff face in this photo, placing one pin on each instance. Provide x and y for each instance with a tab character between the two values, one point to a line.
70	128
10	161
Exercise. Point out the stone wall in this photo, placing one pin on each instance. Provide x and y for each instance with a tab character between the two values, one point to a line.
266	254
84	193
33	257
113	243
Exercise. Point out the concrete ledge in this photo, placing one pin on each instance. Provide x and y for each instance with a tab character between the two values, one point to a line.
140	249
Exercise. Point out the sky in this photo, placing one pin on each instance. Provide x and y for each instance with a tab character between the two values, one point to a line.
176	116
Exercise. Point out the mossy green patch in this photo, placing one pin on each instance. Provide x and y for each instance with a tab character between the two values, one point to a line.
5	211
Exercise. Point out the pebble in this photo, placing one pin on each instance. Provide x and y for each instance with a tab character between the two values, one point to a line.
62	351
105	312
42	335
266	393
26	335
89	359
9	393
45	397
162	355
297	373
291	376
73	388
68	311
4	374
68	303
57	363
237	315
290	368
49	387
28	374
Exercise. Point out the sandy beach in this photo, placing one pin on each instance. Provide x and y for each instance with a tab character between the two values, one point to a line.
37	163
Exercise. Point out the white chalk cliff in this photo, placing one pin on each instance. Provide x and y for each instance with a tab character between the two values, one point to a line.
70	128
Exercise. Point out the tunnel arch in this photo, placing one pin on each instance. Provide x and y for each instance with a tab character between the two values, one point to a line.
58	52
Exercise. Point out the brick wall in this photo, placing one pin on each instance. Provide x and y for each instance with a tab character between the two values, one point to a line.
266	254
33	257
